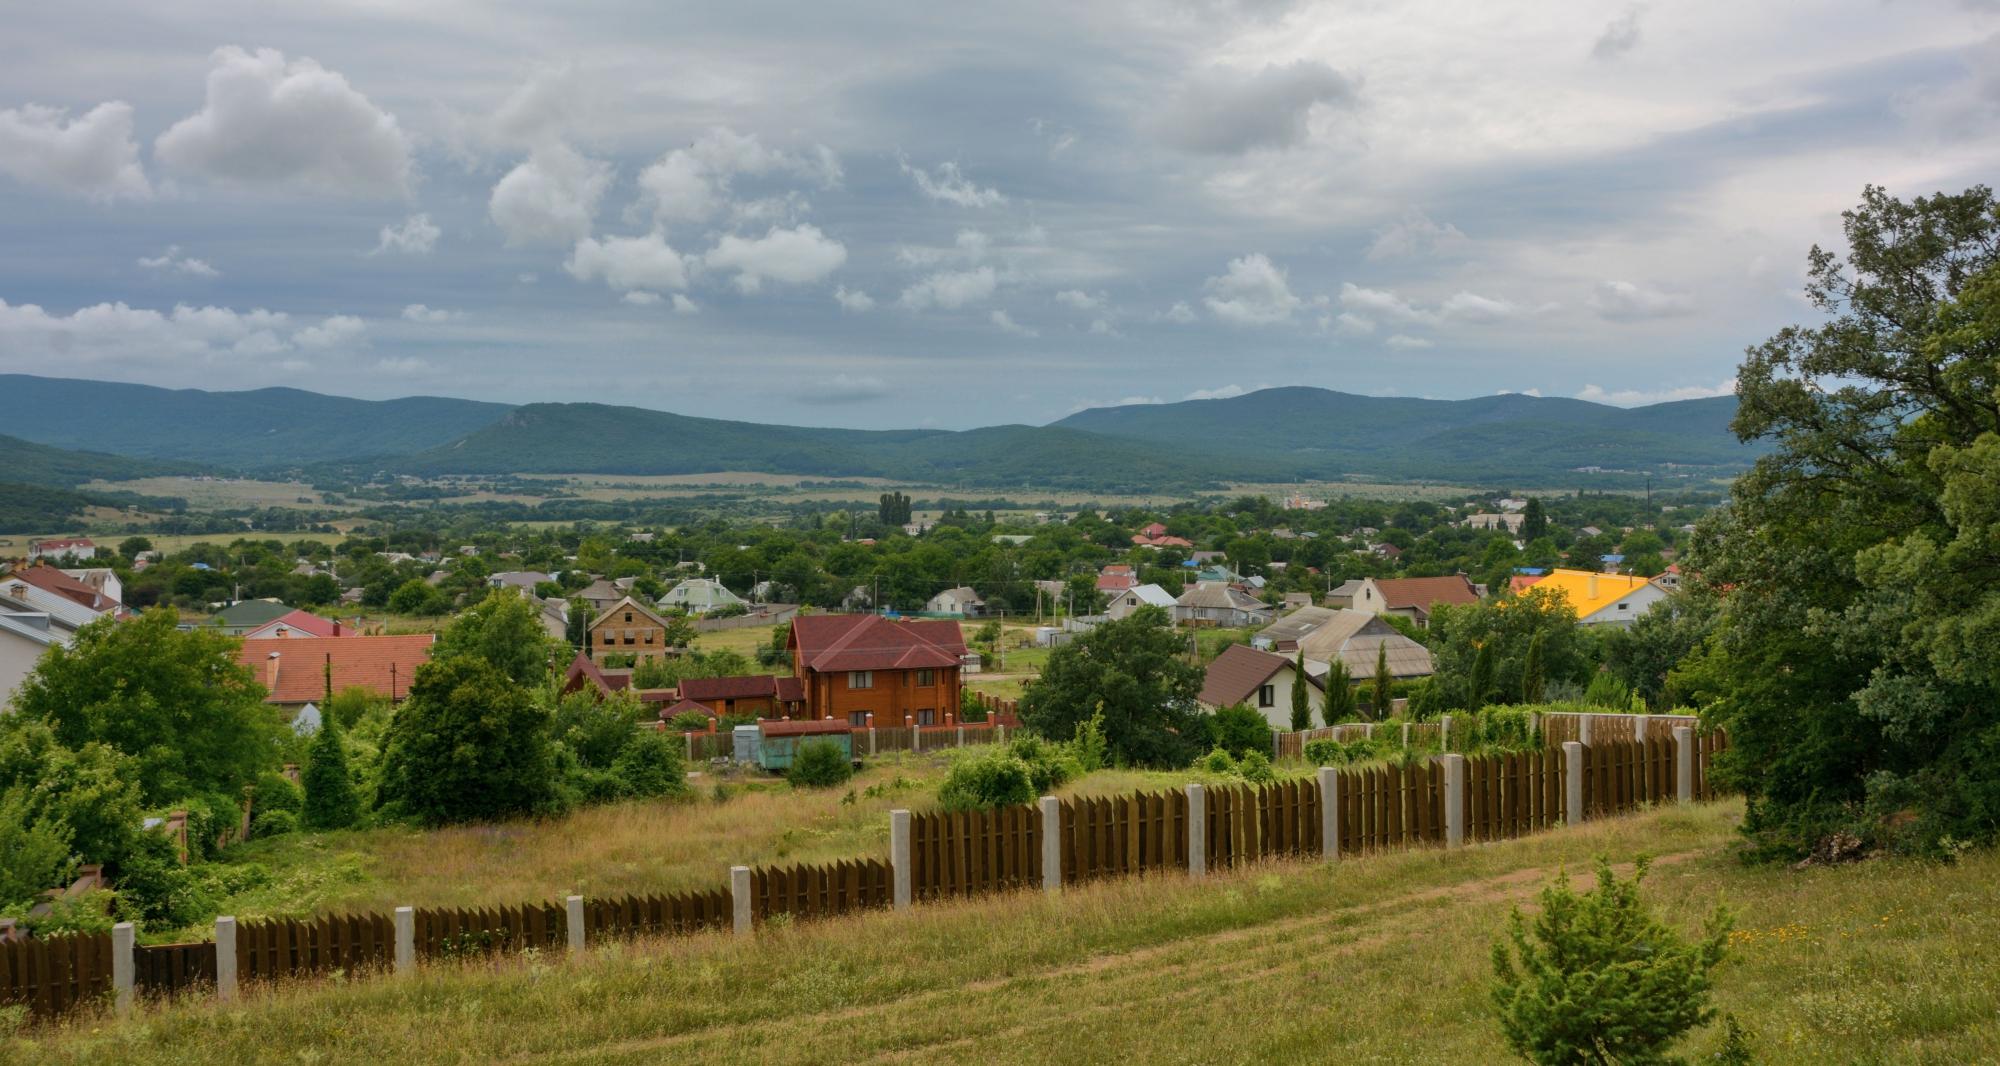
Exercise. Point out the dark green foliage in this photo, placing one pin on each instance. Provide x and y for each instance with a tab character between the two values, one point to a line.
154	888
504	629
1255	768
275	792
1239	729
1339	705
652	765
417	597
1534	680
1480	685
330	801
1460	632
92	792
177	702
1049	765
467	745
1382	692
41	466
597	729
1608	692
1595	978
270	823
894	509
1217	761
819	764
1644	655
1301	705
37	848
1131	671
1090	748
990	779
691	721
1534	520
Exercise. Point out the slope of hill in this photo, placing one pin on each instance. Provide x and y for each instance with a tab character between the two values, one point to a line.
28	463
1317	433
259	429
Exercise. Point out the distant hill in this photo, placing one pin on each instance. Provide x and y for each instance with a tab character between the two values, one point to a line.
1308	432
27	463
1284	434
260	429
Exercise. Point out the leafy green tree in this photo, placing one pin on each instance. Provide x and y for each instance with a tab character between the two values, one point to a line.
415	597
1339	705
1645	654
1481	683
1240	729
1458	633
37	849
1596	978
176	701
331	801
132	547
1533	679
1856	663
93	790
1534	520
505	629
1380	697
467	745
1301	697
1133	671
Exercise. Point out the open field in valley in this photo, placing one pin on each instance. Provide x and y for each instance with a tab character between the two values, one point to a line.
219	494
1377	959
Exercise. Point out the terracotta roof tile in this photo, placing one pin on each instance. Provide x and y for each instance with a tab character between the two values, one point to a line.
871	642
297	674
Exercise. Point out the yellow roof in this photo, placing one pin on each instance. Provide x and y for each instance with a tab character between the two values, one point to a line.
1590	592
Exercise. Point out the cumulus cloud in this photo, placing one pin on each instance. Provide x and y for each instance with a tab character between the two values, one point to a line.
853	299
843	388
1102	327
950	185
1416	234
1252	292
1351	324
1007	324
550	199
795	256
1228	113
1619	37
1405	342
117	333
642	298
550	103
1223	393
92	155
417	235
1080	300
629	263
1641	397
1626	301
172	261
1380	303
1180	313
270	121
1472	307
951	289
695	183
421	313
685	306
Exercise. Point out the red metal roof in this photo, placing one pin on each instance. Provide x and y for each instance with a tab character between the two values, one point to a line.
872	642
1423	592
748	686
305	624
295	670
49	579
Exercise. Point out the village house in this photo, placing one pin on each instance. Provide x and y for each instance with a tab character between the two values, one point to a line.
1216	603
629	628
961	601
1604	599
1511	522
854	665
755	695
92	596
298	624
73	547
525	580
600	594
32	620
700	595
585	675
1129	600
1352	638
297	672
1116	577
1413	597
1260	680
245	615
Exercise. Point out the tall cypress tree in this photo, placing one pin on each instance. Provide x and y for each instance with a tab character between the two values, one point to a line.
1532	672
331	802
1301	709
1482	678
1339	705
1534	520
1382	682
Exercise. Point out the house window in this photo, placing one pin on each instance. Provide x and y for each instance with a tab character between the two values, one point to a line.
861	679
857	719
927	717
649	636
628	616
1267	695
926	678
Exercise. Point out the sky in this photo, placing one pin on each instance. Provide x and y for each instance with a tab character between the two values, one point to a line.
888	215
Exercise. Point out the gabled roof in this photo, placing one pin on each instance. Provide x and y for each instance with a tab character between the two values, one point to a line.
604	618
250	613
1355	637
872	642
747	686
1237	673
1150	595
1590	592
584	671
50	579
299	624
1215	595
33	599
382	665
1421	593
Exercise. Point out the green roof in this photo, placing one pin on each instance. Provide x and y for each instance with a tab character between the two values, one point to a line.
251	613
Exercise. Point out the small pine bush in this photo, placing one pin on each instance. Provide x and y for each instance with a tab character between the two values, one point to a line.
820	764
1091	749
330	798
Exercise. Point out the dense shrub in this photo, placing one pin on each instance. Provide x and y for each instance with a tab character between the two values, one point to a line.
154	888
652	766
467	745
37	850
1090	747
1256	768
820	764
331	801
1218	761
690	721
990	779
272	822
276	792
1049	765
1239	730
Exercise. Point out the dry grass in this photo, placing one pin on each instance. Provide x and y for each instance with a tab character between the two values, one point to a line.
1380	959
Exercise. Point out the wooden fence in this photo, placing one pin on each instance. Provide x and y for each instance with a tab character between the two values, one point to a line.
1449	734
951	854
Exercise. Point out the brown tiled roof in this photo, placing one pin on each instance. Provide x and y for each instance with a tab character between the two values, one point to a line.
1236	674
728	688
298	674
872	642
1422	592
49	579
582	669
791	689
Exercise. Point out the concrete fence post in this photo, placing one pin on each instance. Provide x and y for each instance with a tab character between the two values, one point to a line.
574	908
899	856
1051	843
1573	782
1583	723
123	966
1197	830
739	898
1444	734
871	735
1329	813
1534	725
1454	800
406	939
999	733
225	959
1640	727
1684	763
961	734
1406	734
690	741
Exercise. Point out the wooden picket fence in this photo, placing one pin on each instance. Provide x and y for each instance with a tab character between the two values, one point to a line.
952	854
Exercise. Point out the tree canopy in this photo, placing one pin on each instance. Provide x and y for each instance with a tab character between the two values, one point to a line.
1133	670
468	745
505	629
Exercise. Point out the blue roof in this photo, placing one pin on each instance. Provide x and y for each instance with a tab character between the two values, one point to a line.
1534	571
1612	558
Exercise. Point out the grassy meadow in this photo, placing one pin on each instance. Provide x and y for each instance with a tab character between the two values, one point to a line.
1376	959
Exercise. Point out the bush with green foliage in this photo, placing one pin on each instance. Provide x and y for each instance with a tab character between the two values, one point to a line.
1217	761
1133	671
1609	694
690	722
505	630
1339	705
1089	746
37	850
1596	978
994	778
819	764
969	707
1239	729
1325	752
270	823
652	766
331	801
1050	765
155	889
1256	768
467	745
276	792
93	791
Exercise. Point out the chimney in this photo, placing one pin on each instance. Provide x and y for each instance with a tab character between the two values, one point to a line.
1593	587
271	672
336	627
